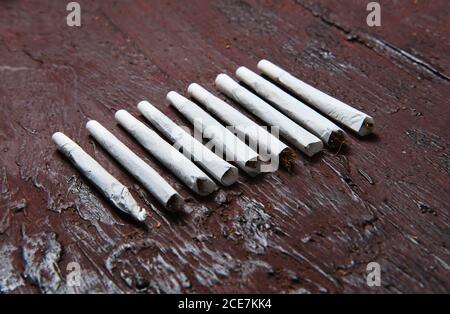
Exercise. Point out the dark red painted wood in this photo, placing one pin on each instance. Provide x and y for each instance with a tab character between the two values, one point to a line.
384	198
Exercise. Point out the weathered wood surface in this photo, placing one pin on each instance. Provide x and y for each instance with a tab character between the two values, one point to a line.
383	199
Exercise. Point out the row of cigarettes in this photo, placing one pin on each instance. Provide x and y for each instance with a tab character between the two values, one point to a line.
300	124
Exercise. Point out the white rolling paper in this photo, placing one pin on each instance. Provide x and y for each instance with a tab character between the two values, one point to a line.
114	191
218	168
352	118
269	145
166	154
223	139
145	174
295	134
311	120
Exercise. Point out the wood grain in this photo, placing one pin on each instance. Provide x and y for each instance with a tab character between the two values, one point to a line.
382	199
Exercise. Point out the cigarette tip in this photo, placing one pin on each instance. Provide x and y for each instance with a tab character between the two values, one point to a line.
93	124
241	69
121	113
269	68
58	137
367	126
262	62
172	96
220	77
191	88
90	123
142	104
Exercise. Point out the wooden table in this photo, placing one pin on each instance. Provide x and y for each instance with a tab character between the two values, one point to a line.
381	199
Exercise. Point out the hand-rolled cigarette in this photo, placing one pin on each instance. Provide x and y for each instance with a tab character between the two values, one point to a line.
166	154
311	120
352	118
269	145
223	139
295	134
218	168
146	175
110	187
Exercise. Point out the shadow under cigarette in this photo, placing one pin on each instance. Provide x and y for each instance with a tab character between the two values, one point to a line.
371	138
